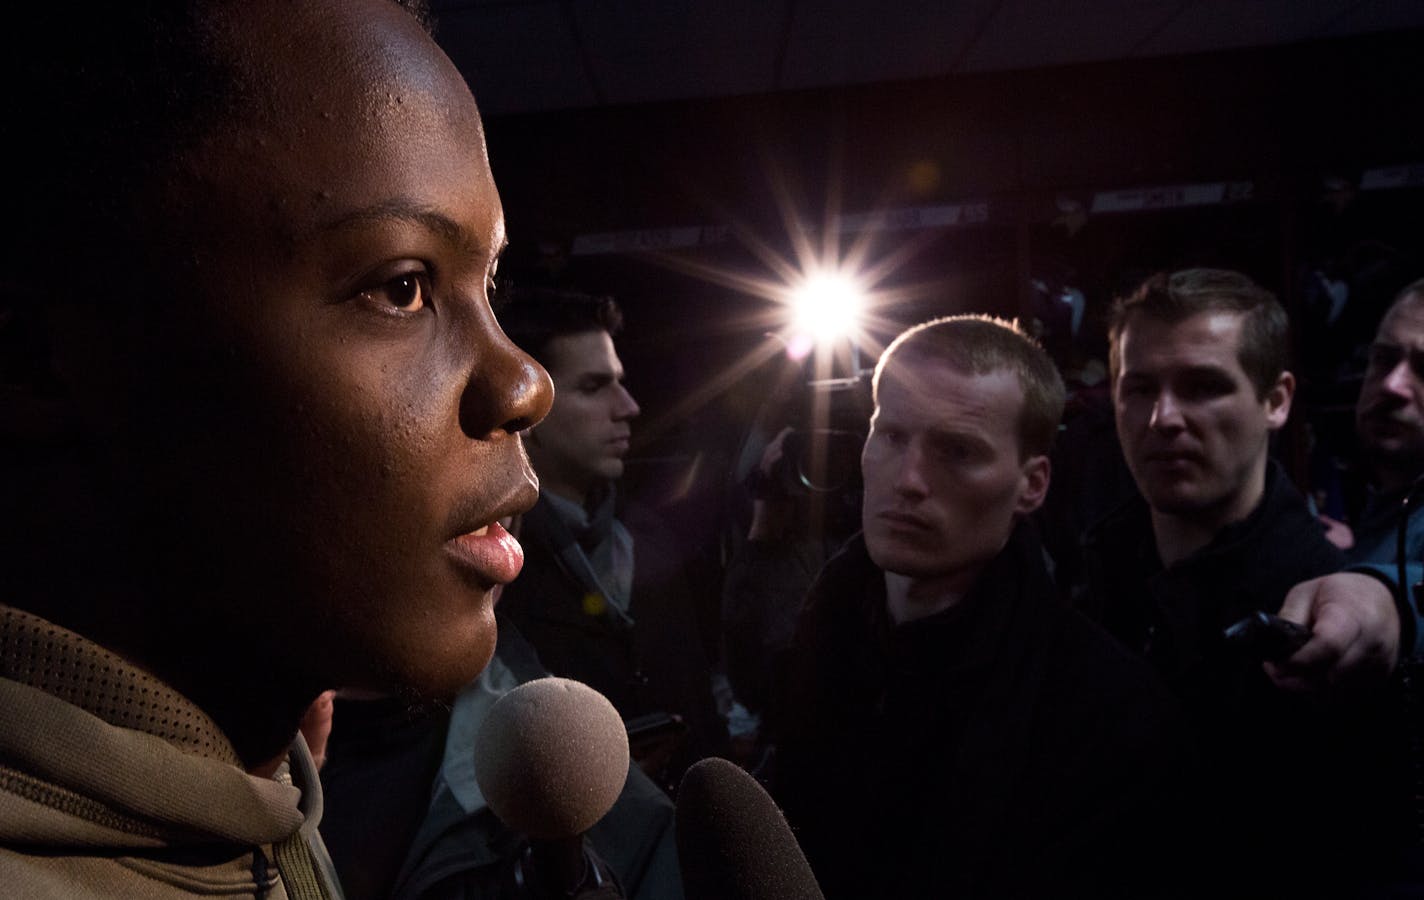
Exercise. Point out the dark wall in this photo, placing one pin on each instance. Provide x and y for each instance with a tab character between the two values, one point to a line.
1272	114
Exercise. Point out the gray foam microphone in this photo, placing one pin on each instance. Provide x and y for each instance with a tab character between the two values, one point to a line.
551	759
732	841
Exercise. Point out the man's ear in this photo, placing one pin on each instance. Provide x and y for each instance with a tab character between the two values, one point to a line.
1033	485
1278	401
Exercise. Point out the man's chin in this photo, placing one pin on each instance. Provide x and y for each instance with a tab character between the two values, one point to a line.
901	561
1183	501
1393	449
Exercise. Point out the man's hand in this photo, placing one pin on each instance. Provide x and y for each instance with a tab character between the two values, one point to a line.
1337	532
1354	633
770	516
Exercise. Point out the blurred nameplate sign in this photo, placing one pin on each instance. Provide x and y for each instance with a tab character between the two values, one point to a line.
1393	177
646	239
1171	196
910	218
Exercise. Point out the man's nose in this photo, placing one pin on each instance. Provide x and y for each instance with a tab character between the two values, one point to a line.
1400	381
625	407
1166	413
910	480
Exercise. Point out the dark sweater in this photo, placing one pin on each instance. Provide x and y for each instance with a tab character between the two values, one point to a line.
655	664
1314	779
1004	747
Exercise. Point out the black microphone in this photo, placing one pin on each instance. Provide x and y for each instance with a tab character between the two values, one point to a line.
551	759
733	842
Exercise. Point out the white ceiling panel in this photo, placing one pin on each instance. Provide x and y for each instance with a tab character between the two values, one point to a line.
533	55
1376	15
665	49
1225	24
855	42
1028	33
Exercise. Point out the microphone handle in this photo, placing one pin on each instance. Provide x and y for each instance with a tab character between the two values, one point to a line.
561	868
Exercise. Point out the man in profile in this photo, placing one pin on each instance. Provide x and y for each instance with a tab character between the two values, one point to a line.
604	597
261	425
948	729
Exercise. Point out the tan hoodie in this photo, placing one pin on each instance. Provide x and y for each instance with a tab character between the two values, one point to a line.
112	784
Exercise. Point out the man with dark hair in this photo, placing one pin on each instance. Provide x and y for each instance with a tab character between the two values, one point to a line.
1218	536
261	425
947	728
1198	480
604	597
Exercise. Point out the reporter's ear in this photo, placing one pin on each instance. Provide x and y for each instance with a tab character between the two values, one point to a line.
1033	489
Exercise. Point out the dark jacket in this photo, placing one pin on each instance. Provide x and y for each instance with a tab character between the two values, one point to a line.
656	664
1004	747
1312	779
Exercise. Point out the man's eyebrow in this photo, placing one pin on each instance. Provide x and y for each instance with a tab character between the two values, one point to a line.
1209	371
430	219
949	435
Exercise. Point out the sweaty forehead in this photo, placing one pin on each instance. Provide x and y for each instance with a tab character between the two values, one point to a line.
357	65
371	40
340	107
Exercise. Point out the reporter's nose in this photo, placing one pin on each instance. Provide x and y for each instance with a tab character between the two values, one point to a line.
1166	414
1400	381
625	407
909	477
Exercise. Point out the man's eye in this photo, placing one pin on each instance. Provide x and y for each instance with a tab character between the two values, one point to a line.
955	451
1206	388
407	293
1384	357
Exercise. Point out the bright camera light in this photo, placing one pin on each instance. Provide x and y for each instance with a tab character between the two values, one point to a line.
826	306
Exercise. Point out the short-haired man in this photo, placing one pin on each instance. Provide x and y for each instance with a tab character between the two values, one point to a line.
603	597
1198	362
947	728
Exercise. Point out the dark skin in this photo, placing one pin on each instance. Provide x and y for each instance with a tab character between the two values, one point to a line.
299	451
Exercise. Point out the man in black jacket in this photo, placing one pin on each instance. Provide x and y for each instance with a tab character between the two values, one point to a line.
603	596
1295	799
947	728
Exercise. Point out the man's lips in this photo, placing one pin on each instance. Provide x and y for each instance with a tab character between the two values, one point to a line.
903	521
1392	417
491	554
1172	457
